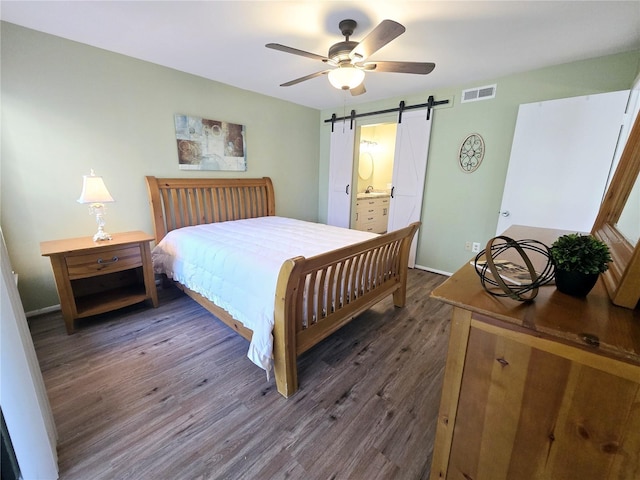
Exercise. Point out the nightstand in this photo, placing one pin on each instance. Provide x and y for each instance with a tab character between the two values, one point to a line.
98	277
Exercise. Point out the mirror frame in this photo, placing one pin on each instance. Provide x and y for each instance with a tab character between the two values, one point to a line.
622	279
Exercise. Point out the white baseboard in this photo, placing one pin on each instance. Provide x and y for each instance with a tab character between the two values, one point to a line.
433	270
41	311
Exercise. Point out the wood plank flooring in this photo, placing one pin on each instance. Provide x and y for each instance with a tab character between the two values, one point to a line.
169	393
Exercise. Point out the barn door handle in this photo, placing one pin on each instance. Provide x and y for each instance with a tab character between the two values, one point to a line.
346	190
392	189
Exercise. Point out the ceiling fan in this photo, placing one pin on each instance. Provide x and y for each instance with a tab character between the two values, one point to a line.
348	57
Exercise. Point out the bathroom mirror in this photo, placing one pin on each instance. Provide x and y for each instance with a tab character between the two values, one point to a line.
365	165
622	279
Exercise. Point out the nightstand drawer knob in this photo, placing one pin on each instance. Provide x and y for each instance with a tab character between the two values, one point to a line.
108	262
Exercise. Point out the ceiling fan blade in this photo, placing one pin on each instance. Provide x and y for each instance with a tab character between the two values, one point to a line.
306	77
421	68
386	31
295	51
359	90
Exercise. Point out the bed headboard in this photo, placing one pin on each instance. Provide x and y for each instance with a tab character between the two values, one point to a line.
183	202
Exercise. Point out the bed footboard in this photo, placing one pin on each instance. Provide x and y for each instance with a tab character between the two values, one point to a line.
316	296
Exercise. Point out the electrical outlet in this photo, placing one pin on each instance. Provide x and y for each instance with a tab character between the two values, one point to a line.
476	247
467	246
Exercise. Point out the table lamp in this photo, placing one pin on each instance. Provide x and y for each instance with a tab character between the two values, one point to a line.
95	193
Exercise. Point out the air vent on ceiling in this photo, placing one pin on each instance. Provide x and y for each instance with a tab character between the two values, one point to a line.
478	93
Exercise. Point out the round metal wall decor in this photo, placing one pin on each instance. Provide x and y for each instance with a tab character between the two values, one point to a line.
471	153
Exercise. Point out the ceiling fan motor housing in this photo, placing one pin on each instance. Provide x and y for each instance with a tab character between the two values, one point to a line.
339	52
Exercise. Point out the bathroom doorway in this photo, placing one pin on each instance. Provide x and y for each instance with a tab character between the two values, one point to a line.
375	173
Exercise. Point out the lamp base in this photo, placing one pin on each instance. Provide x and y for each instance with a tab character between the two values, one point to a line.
101	235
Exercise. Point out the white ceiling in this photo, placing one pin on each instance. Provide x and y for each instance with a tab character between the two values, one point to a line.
470	42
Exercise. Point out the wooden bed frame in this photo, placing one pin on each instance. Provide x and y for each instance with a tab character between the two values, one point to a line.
314	296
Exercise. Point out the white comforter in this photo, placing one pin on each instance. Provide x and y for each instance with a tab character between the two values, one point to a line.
236	264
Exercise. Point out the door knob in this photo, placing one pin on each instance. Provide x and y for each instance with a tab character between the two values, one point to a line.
505	213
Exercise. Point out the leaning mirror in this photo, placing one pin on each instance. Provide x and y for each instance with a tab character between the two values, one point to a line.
629	222
615	225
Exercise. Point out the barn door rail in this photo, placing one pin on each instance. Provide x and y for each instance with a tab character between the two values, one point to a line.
400	108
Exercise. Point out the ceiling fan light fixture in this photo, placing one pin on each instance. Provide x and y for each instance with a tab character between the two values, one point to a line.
346	77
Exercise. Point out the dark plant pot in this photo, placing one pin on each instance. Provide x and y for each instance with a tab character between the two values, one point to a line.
576	284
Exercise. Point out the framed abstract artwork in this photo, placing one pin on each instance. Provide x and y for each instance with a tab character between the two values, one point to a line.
210	144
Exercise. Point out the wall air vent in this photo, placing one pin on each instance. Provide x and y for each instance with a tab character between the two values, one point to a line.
478	93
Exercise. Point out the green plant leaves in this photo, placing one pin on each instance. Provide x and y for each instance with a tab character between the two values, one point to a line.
580	253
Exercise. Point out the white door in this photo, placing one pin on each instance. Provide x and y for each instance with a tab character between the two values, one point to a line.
25	405
340	174
409	169
560	159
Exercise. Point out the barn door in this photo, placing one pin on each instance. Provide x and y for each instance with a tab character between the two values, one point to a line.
409	169
340	175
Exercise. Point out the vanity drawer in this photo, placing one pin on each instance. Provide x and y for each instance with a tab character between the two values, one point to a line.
372	214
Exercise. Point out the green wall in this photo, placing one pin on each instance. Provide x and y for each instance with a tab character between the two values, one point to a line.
68	108
457	206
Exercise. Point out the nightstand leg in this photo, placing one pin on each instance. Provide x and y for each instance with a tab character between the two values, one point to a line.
65	292
68	323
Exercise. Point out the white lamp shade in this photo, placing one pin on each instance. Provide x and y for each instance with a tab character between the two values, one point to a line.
346	77
94	190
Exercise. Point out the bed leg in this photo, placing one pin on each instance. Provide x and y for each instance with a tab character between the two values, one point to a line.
400	296
286	377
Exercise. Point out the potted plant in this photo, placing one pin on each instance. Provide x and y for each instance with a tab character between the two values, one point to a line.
578	260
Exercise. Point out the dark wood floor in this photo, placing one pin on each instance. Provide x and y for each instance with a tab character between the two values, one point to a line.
169	393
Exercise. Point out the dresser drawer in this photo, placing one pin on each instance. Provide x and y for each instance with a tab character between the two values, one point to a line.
104	261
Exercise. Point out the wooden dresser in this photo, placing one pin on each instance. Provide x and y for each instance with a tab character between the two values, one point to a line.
542	390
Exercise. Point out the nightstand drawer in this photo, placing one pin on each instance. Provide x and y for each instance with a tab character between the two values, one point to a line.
105	261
